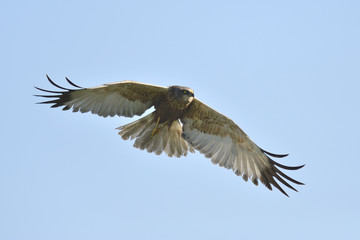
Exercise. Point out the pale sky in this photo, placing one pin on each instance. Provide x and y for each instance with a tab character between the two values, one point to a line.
287	72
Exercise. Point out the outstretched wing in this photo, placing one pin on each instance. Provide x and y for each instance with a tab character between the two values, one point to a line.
220	139
126	98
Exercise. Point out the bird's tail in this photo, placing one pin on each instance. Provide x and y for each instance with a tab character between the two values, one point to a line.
166	138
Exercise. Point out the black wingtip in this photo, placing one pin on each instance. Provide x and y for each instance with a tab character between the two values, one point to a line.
273	154
53	83
71	83
286	167
44	90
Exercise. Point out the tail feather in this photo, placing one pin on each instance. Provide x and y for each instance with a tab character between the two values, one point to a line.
168	139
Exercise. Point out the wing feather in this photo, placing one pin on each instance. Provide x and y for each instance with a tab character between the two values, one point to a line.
220	139
126	98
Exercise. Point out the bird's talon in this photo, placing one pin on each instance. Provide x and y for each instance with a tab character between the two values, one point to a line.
154	132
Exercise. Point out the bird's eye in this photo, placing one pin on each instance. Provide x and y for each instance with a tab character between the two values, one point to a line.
185	91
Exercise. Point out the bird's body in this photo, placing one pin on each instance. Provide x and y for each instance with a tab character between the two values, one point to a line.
161	130
180	124
172	106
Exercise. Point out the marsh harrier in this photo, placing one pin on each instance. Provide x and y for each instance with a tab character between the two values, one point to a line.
180	124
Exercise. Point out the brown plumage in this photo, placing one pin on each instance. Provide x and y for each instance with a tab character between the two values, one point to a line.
179	124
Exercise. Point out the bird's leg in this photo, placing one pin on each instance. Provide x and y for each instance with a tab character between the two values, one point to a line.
163	125
156	130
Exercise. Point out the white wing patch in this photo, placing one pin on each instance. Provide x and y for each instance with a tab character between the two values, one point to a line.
244	158
105	104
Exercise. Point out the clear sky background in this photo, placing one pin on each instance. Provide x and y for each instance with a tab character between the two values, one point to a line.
288	72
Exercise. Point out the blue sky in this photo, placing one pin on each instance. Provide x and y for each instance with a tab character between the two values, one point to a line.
286	71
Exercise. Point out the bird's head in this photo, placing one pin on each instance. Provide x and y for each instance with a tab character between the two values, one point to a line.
181	96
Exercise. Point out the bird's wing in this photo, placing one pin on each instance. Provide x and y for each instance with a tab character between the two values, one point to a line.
126	98
220	139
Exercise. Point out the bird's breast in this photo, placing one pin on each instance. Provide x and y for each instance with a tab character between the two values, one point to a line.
170	111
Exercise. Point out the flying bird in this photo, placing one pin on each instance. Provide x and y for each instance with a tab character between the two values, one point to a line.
179	124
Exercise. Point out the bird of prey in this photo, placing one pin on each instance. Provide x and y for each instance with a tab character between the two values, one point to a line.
179	124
